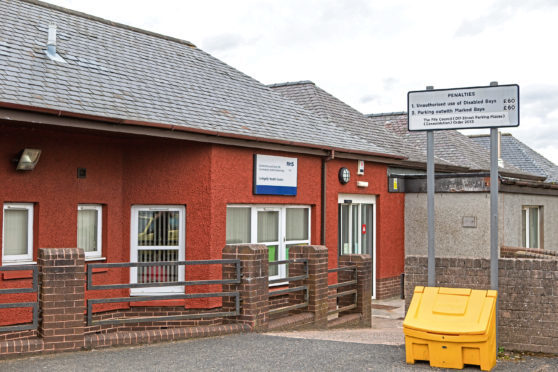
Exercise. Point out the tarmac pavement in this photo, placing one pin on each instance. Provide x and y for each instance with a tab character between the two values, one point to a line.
378	349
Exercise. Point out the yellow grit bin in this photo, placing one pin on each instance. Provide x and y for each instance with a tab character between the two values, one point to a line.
451	327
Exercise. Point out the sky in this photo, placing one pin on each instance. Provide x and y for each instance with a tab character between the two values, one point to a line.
369	54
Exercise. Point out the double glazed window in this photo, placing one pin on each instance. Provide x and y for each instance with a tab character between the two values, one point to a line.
278	227
531	226
89	230
17	233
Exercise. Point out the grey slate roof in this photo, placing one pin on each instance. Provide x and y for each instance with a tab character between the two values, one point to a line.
449	145
115	71
522	156
390	130
328	107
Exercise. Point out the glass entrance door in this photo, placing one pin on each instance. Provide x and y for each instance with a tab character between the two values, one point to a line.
356	228
356	223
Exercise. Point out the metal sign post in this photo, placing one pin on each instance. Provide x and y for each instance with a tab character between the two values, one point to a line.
464	108
494	206
430	190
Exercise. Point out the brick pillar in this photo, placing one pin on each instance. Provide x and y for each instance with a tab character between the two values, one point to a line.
254	285
317	280
363	263
62	298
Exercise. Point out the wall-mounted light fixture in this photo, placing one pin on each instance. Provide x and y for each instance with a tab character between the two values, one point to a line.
344	175
28	159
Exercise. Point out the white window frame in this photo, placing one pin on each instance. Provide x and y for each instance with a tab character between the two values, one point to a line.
134	249
20	258
99	208
527	209
282	242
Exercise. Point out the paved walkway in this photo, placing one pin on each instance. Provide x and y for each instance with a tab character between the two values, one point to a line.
387	327
378	349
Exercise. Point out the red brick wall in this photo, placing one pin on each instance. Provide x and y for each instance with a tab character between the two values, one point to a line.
232	184
390	213
125	170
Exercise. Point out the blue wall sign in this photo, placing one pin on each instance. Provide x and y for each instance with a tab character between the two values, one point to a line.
275	175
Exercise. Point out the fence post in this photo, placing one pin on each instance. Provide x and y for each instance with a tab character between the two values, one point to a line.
316	282
363	263
62	298
254	284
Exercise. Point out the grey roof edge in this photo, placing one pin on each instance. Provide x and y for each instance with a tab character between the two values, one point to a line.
486	135
289	83
106	21
389	158
534	181
386	114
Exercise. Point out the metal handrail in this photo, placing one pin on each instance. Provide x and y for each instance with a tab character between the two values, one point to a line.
11	305
342	268
349	292
91	286
291	278
292	289
91	266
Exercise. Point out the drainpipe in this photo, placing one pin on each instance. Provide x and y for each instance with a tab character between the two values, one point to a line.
331	156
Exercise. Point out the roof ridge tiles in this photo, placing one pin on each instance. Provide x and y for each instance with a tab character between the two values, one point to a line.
290	83
386	114
108	22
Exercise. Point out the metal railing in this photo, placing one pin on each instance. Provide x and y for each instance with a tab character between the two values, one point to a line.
12	305
91	287
290	289
349	292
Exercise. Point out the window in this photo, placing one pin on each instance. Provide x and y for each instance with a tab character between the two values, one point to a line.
278	227
531	217
157	234
17	233
90	230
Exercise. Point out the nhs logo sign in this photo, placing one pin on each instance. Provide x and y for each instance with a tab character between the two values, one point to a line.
275	175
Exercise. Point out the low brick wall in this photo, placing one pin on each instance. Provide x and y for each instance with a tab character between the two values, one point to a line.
527	296
62	324
388	287
144	312
18	335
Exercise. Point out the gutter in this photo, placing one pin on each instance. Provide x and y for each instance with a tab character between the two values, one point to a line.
379	157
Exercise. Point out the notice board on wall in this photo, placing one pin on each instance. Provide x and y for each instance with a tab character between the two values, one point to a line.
275	175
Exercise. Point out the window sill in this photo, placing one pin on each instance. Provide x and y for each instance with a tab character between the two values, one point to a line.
158	303
14	263
91	259
280	284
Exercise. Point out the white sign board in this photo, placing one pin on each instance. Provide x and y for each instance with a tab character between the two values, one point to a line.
275	175
464	108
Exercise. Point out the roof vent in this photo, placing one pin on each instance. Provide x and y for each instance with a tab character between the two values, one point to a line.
51	44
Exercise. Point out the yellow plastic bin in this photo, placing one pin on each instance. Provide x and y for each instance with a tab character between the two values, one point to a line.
451	327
